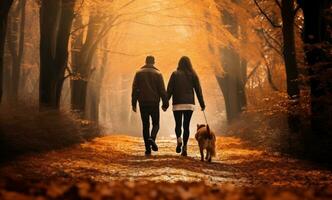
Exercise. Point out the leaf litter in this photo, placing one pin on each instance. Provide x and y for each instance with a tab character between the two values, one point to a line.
114	167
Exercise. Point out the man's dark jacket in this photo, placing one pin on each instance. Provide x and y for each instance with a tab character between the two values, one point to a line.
149	87
181	87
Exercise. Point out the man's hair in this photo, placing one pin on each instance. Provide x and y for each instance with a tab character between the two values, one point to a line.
149	60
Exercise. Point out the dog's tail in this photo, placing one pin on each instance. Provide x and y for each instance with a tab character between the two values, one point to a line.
208	129
212	138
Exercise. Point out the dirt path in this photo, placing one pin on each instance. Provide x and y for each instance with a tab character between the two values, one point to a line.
122	158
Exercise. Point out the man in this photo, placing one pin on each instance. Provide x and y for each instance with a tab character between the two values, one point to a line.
148	89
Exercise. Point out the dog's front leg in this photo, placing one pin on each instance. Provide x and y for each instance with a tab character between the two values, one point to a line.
209	158
207	154
202	153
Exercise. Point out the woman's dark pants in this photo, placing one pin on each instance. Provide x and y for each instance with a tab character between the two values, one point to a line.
186	116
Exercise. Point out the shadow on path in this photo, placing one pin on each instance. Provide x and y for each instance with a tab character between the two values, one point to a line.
122	158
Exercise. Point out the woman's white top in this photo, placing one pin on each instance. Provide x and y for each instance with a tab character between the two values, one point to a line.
178	107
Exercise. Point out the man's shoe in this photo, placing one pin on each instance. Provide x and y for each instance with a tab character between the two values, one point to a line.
179	145
148	153
153	144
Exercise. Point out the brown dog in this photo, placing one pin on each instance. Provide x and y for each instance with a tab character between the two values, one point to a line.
206	140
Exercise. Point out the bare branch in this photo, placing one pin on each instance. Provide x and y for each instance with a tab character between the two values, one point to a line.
143	12
122	53
269	74
252	72
86	25
269	78
278	3
127	4
128	54
273	39
69	70
64	78
266	16
267	38
69	73
80	8
161	25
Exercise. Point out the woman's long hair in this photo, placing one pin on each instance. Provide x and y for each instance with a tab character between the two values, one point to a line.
186	66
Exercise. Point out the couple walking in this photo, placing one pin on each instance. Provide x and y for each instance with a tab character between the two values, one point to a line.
148	88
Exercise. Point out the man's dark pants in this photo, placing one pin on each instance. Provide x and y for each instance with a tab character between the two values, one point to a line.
146	113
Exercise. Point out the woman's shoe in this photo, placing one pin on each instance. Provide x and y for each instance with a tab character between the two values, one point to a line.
148	152
179	145
153	144
184	151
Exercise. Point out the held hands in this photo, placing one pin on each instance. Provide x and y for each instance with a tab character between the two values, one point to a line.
164	107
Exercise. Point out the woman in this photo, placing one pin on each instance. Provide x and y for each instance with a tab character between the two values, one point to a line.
181	87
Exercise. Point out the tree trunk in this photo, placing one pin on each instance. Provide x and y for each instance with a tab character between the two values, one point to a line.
289	52
16	47
4	10
78	95
94	107
49	12
233	82
242	84
55	25
94	112
82	64
17	68
227	85
317	47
